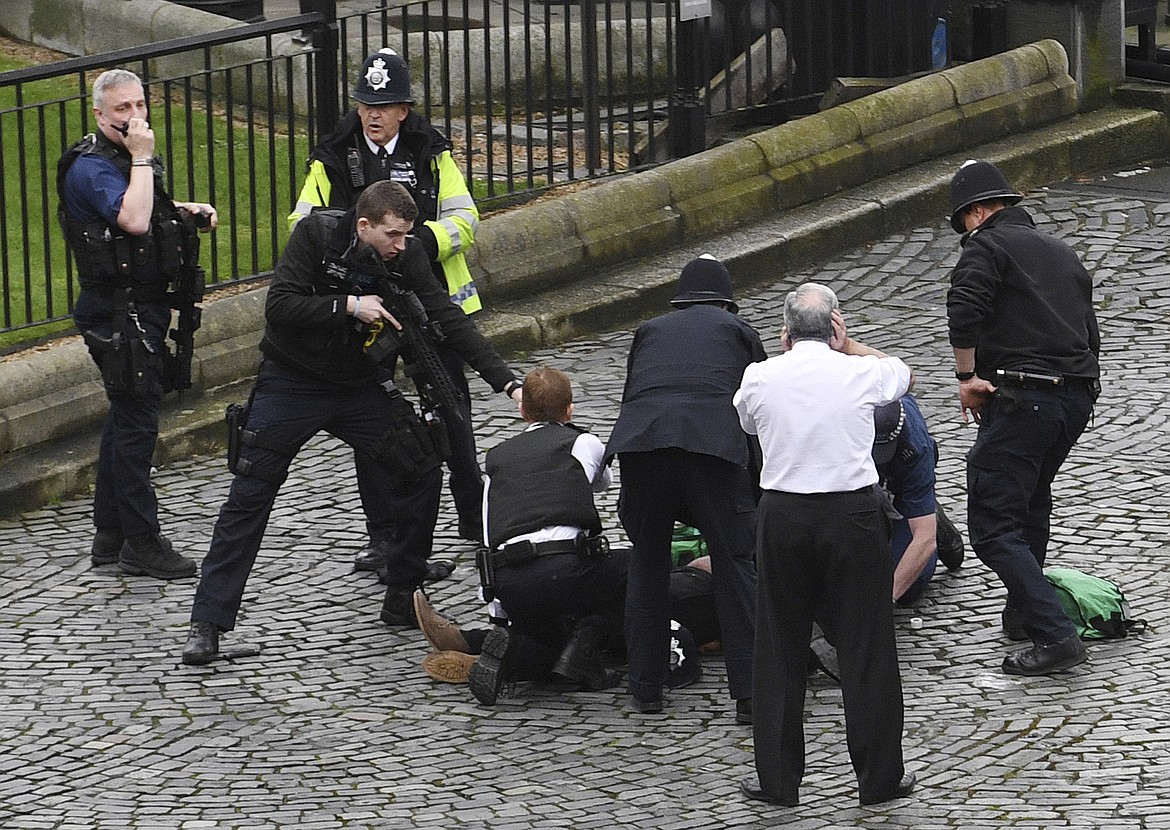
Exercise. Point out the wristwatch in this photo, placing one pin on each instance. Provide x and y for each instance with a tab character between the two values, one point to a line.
511	386
962	376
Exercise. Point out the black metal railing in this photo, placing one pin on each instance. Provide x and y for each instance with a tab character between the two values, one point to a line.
533	93
230	132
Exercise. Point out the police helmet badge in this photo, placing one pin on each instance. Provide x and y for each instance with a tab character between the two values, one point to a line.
377	76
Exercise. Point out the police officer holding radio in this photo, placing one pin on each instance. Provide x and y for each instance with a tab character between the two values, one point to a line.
325	316
129	244
382	138
1025	339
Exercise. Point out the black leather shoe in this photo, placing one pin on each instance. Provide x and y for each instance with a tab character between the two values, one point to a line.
371	557
580	660
950	541
653	706
904	788
494	666
1037	659
202	643
398	607
107	545
1013	624
437	570
152	555
751	788
743	711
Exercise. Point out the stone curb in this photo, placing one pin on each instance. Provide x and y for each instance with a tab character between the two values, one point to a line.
755	254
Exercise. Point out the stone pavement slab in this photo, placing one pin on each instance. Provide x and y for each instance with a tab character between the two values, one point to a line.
334	724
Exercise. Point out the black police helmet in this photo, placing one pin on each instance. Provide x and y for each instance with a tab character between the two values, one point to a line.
705	280
977	181
384	79
888	420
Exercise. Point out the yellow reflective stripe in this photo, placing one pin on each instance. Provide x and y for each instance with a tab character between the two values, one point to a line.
314	193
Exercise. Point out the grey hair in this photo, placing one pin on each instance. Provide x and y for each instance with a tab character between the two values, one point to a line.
110	79
808	312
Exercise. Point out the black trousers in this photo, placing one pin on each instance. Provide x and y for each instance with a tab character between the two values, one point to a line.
825	557
546	598
1024	437
716	497
466	481
289	409
123	499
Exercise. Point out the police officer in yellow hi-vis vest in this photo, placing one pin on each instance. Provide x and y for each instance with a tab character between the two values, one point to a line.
384	139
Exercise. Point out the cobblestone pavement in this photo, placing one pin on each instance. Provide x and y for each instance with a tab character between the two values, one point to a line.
335	725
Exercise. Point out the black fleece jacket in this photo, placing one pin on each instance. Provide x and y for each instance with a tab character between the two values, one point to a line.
1023	300
308	330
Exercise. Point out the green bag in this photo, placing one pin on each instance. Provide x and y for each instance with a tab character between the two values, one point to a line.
686	544
1096	606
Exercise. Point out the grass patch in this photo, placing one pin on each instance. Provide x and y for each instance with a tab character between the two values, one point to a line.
249	168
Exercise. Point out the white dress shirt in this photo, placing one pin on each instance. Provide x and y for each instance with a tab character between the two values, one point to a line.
812	408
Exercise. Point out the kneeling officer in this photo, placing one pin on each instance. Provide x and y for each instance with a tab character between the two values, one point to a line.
318	373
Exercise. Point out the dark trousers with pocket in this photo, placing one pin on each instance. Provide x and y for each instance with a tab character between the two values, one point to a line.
825	557
123	498
287	410
1024	437
714	496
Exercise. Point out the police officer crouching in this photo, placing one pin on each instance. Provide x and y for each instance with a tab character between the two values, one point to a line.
130	242
561	586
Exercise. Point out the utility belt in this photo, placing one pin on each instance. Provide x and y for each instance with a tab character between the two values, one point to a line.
133	293
519	553
1016	379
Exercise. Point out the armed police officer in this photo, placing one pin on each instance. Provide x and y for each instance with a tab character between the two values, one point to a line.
131	242
384	139
1025	339
327	325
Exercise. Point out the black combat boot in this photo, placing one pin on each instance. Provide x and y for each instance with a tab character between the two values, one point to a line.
152	555
106	547
580	660
494	667
398	607
202	643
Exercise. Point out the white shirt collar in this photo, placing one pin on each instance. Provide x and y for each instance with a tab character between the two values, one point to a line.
374	148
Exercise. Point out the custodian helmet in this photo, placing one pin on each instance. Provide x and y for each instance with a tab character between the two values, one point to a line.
705	280
977	181
384	79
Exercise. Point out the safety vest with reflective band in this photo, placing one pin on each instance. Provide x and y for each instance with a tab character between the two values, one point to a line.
444	203
106	255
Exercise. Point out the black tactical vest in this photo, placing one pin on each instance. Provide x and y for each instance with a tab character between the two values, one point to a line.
108	256
536	482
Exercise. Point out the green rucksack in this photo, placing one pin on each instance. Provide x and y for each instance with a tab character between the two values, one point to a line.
1096	606
686	545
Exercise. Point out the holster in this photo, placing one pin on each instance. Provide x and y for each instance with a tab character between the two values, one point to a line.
236	416
407	449
124	362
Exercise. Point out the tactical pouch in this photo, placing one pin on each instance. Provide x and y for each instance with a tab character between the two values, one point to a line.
124	362
170	248
437	428
236	416
407	449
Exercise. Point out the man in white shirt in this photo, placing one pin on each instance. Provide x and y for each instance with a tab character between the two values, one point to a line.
822	548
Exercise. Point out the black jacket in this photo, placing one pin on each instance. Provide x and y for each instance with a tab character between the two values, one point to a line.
1023	300
682	371
306	325
416	137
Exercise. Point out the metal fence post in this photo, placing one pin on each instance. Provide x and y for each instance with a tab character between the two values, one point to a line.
325	42
688	125
590	97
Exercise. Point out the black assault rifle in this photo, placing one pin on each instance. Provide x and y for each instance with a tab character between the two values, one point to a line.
184	296
438	397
